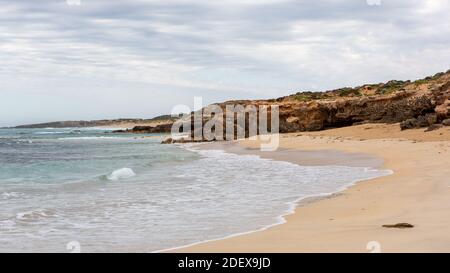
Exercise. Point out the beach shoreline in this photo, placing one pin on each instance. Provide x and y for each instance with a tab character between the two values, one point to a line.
314	158
348	221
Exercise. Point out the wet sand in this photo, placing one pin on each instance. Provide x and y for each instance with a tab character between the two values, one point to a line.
417	193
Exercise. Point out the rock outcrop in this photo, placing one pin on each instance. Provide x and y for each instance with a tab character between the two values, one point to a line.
422	103
161	128
321	115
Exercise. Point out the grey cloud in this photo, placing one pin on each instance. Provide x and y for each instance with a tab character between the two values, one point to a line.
230	48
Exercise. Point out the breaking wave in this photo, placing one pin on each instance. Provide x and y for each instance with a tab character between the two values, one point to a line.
120	174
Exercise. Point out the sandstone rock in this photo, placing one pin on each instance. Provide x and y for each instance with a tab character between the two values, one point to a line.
412	104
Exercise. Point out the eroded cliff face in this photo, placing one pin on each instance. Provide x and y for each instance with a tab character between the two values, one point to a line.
319	115
422	103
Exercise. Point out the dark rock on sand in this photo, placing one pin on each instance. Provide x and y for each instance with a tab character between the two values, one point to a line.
446	122
409	124
434	127
421	121
399	225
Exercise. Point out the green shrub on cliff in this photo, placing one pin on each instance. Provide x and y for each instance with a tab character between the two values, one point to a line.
391	87
348	91
308	96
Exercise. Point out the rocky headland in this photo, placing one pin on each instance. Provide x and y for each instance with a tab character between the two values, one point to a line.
164	119
412	104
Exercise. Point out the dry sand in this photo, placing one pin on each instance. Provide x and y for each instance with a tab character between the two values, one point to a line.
418	193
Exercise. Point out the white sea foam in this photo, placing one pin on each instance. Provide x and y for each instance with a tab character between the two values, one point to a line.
90	138
120	174
24	141
11	195
105	129
7	224
292	171
172	202
35	214
51	133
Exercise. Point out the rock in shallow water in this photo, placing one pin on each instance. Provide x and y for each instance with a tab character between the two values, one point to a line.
168	140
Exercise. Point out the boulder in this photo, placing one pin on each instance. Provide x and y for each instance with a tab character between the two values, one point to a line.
434	127
446	122
431	119
426	120
409	124
168	140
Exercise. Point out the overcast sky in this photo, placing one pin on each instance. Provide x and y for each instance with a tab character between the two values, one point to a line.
111	59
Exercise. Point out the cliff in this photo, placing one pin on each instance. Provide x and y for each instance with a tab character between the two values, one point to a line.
413	104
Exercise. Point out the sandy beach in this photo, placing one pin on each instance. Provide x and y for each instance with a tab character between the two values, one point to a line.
417	193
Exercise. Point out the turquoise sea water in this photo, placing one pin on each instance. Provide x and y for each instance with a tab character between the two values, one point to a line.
111	192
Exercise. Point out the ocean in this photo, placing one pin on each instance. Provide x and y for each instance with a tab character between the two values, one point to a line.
106	192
